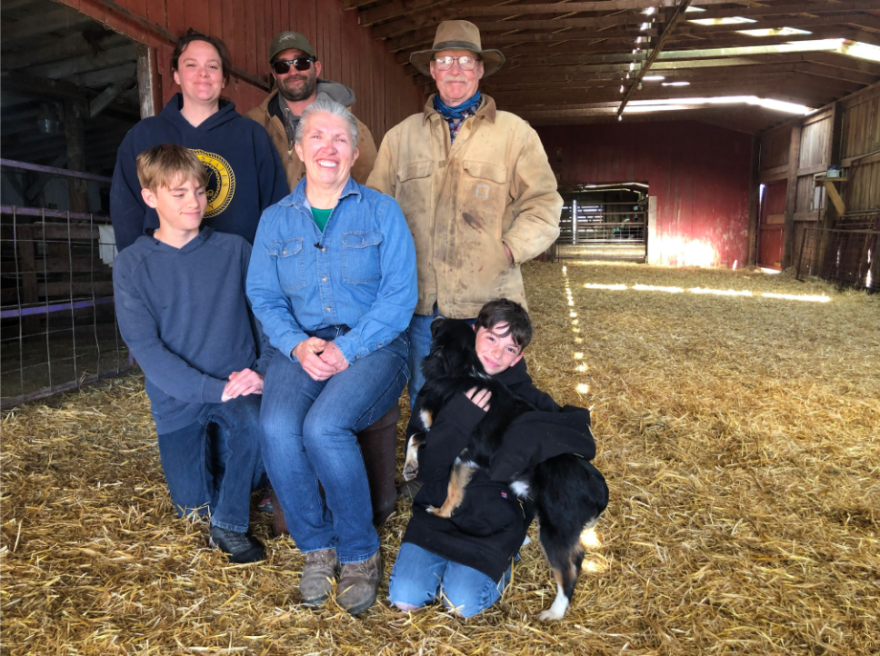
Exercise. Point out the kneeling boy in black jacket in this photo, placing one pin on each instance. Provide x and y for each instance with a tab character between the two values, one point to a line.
468	558
182	310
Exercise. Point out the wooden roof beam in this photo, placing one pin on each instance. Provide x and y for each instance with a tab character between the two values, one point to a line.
697	30
399	9
423	38
815	8
475	10
655	52
830	72
85	63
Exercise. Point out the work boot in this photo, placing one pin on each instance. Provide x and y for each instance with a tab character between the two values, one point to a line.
239	547
317	576
359	584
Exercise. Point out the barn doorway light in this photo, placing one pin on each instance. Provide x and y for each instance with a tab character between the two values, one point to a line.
653	78
742	293
678	83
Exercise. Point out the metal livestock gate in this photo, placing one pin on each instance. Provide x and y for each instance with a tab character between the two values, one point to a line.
58	321
596	230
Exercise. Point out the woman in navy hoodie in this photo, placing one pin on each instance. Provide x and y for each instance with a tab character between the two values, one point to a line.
245	171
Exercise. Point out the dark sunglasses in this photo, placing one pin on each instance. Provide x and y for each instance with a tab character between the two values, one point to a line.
282	66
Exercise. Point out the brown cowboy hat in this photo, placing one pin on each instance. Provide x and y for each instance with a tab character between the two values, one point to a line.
457	35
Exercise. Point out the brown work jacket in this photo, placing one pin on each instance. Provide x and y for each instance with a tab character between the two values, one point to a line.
294	167
465	201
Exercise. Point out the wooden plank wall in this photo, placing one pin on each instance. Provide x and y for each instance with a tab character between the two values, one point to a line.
860	151
385	94
700	175
855	146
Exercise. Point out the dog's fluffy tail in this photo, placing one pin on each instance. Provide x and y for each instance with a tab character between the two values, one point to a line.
570	494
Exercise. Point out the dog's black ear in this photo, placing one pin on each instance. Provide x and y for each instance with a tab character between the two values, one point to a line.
435	325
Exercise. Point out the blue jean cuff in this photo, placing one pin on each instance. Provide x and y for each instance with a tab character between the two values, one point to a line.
305	551
229	527
356	559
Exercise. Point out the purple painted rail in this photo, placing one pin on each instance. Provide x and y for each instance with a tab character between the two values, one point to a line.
54	307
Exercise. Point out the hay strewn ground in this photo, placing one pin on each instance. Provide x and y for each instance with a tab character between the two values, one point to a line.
739	436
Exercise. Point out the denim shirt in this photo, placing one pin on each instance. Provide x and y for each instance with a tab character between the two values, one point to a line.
360	272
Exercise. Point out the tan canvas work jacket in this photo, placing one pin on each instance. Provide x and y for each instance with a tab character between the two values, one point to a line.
464	201
292	163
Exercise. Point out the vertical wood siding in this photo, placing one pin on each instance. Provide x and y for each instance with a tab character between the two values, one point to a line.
774	148
385	94
699	174
861	139
815	141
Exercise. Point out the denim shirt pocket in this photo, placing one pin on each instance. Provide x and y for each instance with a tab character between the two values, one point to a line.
289	262
360	256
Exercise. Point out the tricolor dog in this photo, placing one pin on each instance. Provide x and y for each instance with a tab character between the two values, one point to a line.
569	494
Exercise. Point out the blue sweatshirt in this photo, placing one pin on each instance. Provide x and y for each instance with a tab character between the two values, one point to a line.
184	315
246	174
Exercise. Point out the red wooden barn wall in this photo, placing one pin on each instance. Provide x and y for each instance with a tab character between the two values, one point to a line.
699	173
385	94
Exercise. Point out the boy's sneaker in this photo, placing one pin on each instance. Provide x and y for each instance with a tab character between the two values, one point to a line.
240	547
265	506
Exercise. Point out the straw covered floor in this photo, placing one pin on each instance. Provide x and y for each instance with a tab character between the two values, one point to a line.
738	432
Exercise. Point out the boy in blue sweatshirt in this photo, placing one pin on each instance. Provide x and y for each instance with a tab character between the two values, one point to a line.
182	310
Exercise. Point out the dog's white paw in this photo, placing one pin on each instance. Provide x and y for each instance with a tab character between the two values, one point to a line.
432	510
550	615
557	609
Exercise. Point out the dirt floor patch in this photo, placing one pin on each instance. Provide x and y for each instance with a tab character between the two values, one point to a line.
736	416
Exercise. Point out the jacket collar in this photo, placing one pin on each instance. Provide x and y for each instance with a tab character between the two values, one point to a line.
487	108
265	104
298	199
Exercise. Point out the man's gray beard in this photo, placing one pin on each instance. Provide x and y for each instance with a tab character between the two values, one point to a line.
309	86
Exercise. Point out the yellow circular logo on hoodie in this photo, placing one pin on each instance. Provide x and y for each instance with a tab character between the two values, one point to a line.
221	182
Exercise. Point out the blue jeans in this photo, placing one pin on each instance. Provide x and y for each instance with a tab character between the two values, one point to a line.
308	438
191	462
418	575
419	334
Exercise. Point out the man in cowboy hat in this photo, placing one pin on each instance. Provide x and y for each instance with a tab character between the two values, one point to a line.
295	68
474	183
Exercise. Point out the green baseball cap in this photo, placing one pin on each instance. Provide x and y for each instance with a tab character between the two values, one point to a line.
286	41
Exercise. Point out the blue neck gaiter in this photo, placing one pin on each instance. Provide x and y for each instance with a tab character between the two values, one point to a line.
454	113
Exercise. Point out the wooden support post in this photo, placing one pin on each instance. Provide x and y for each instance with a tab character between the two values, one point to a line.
833	202
794	155
149	87
754	199
76	153
653	245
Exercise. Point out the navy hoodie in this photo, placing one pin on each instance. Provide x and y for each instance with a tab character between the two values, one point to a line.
246	174
184	315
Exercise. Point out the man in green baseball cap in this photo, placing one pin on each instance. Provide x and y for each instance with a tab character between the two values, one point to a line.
295	67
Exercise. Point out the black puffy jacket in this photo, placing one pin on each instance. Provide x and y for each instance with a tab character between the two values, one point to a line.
489	527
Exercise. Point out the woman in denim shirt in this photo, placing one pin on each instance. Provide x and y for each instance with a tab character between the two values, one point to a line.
332	279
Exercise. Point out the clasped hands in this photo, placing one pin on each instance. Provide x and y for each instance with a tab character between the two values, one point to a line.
319	358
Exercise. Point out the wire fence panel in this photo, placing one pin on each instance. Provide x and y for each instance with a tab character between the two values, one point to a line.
58	317
602	231
846	256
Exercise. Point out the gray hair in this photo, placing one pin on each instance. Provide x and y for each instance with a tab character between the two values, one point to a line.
329	106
